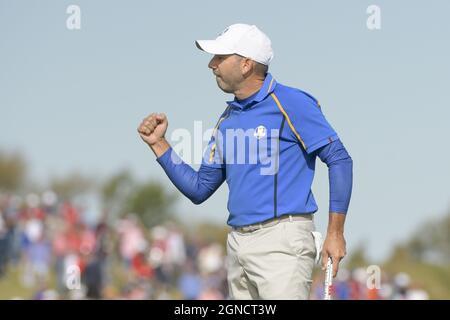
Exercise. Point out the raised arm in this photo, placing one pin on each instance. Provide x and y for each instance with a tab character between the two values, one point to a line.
197	186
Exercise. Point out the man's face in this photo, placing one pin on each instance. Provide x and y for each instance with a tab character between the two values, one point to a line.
227	69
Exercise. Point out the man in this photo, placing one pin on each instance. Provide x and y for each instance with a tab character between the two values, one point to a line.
271	248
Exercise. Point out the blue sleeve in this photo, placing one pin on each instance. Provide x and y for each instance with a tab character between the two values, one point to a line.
197	186
307	120
340	172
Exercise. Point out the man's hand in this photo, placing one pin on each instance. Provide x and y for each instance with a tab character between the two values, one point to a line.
334	245
153	128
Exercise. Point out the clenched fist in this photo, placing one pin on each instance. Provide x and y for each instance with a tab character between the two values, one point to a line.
153	128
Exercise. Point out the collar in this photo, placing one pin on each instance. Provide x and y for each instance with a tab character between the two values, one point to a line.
267	87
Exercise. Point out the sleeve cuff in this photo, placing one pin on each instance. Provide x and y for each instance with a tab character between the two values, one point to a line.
163	158
321	143
338	210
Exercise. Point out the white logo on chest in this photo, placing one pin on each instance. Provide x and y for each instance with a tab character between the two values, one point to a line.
260	132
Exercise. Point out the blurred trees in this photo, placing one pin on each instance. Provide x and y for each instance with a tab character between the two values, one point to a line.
426	257
122	194
357	258
151	203
12	171
431	242
72	185
115	191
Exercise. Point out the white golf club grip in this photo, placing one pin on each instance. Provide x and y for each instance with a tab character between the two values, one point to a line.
328	280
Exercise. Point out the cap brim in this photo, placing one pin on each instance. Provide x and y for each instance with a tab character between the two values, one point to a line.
212	47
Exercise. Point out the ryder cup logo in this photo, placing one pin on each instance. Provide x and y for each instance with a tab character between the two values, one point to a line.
260	132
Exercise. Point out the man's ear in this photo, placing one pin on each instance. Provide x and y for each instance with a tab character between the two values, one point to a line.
247	66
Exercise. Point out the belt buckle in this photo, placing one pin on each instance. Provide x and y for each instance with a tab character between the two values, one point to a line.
252	227
243	229
255	227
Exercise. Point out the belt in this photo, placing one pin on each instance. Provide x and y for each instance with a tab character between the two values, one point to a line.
273	222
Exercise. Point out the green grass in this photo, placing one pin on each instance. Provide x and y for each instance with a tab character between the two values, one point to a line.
11	286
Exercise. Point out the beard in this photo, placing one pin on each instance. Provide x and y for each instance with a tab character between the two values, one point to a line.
223	85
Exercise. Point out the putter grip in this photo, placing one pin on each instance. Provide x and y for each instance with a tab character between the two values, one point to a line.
328	279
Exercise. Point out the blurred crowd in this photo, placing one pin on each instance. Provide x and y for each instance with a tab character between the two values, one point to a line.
58	252
368	284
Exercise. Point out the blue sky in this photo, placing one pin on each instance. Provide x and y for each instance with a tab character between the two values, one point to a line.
71	100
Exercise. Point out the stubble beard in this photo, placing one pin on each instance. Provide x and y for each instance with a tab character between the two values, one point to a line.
223	86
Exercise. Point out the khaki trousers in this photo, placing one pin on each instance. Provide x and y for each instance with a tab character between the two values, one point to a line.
274	262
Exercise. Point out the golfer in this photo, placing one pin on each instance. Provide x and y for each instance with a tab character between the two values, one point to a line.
264	145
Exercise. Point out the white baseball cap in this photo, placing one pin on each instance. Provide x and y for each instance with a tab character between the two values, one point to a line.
243	39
